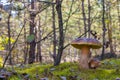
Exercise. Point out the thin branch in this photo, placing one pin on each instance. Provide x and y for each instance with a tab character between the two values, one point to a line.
12	48
48	2
77	37
69	15
49	34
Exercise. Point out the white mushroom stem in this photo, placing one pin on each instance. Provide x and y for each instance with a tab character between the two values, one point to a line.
84	57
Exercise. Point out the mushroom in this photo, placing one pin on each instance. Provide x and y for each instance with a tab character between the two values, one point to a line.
85	44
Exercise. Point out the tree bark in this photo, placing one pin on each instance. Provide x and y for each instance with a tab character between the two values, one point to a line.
61	35
39	32
118	11
32	26
109	25
89	21
9	38
25	45
104	30
54	33
84	17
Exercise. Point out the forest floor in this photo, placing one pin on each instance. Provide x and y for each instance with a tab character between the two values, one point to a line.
109	70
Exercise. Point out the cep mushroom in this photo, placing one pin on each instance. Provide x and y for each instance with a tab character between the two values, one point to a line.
85	44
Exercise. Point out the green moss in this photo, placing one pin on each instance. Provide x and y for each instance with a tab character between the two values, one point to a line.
111	64
14	78
109	70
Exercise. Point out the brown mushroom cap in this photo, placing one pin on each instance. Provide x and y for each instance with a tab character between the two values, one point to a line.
91	43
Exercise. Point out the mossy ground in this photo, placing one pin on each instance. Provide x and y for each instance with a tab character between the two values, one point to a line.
109	70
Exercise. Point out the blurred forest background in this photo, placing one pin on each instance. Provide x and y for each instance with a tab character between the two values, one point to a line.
42	30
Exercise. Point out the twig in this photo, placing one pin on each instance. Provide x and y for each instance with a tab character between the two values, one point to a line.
77	37
48	2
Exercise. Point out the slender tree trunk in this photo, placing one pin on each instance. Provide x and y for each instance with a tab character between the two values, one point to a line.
25	45
9	38
54	33
32	26
6	58
39	32
104	30
89	21
110	38
109	25
118	11
37	45
115	44
84	17
61	35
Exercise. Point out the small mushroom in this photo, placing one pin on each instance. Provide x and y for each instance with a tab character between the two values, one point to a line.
85	44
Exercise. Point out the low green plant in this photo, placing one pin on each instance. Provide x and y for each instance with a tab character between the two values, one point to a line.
1	61
71	71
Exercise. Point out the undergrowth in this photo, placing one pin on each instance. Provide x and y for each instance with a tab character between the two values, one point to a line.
109	70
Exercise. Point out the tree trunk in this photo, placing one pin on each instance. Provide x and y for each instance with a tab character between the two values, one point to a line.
25	45
84	17
110	39
32	26
61	35
109	26
89	21
118	11
104	31
54	33
39	32
9	38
